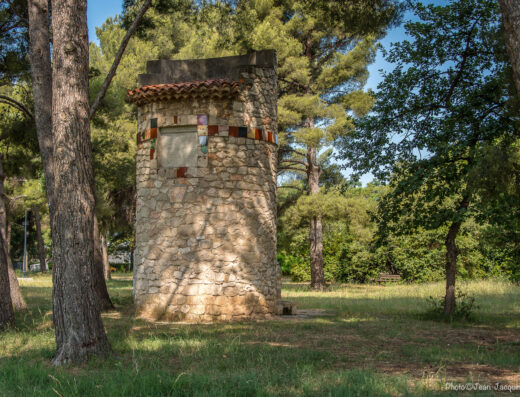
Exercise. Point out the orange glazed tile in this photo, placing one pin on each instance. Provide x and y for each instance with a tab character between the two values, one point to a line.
269	136
258	134
153	133
233	131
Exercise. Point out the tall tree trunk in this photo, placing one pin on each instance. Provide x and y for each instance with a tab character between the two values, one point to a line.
6	304
132	255
41	73
451	269
16	293
41	248
315	230
106	263
76	312
100	286
452	253
511	16
14	287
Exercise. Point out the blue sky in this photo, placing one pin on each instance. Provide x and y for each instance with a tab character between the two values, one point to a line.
97	13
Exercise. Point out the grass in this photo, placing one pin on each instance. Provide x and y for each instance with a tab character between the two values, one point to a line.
358	340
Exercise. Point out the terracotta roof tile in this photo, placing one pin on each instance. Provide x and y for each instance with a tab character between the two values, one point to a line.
216	88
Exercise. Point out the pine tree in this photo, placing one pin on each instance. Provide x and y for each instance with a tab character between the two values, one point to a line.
323	49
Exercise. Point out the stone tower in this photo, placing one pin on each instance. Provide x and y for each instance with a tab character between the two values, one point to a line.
206	189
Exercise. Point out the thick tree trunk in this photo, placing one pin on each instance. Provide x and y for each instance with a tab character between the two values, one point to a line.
452	253
315	230
132	254
76	312
41	73
100	285
41	248
14	287
16	293
6	303
451	269
106	263
511	16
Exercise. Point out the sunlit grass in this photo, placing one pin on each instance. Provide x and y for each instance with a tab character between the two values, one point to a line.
366	340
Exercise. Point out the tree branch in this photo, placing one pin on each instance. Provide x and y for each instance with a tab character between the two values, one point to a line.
283	169
118	57
17	12
288	149
465	56
294	83
294	162
17	105
333	49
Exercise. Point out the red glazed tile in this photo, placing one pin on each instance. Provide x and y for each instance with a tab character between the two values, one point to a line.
258	134
181	172
153	133
175	120
212	130
269	136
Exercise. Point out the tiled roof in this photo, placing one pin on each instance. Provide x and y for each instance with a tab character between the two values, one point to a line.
216	88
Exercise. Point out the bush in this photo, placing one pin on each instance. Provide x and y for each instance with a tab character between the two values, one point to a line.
464	309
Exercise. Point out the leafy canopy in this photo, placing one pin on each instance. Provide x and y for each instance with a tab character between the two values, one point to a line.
447	98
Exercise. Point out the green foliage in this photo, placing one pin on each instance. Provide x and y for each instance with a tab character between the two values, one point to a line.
447	98
353	252
14	65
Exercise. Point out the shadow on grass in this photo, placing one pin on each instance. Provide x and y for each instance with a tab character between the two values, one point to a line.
216	371
372	347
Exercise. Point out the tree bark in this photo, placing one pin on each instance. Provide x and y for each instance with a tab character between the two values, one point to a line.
452	253
6	303
14	287
41	73
106	263
511	17
100	285
16	293
41	248
76	312
315	230
451	269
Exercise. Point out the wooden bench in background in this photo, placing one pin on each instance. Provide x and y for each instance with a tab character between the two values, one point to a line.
388	278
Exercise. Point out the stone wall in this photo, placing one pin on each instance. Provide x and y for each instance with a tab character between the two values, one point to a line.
206	234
